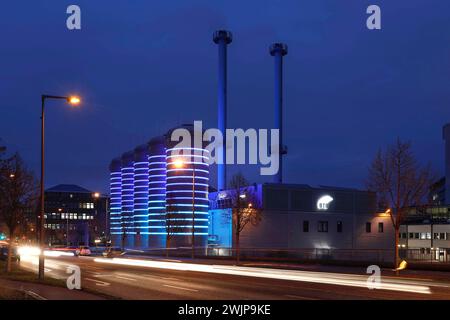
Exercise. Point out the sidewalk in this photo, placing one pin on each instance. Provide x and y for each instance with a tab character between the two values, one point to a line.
39	291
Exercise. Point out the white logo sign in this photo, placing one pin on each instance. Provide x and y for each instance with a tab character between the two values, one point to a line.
324	202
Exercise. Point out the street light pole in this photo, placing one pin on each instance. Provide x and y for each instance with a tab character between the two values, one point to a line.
72	100
41	217
193	210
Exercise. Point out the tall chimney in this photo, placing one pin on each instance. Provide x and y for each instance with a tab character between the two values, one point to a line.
446	136
278	50
222	38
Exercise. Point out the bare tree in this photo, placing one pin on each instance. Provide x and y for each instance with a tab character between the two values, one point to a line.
400	182
18	193
245	207
172	224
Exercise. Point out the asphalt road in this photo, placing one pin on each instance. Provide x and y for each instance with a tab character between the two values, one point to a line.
169	279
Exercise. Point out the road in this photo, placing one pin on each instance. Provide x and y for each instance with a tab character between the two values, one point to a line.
170	279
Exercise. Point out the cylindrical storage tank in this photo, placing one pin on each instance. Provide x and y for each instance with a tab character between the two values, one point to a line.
115	203
140	198
157	192
187	193
128	231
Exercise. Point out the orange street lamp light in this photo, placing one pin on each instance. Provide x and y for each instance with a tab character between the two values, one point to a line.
178	163
74	100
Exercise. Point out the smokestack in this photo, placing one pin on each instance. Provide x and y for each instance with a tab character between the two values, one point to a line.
446	137
222	38
278	50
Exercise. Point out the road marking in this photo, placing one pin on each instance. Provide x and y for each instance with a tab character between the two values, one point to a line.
98	282
125	278
298	297
35	295
181	288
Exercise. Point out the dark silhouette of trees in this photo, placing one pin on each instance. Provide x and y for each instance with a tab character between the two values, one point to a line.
18	193
400	182
245	207
172	223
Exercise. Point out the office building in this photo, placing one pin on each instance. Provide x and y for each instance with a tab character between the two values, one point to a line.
75	216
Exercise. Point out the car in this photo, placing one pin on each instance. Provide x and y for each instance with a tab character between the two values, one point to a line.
83	251
112	252
4	254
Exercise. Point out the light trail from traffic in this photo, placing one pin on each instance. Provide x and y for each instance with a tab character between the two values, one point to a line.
292	275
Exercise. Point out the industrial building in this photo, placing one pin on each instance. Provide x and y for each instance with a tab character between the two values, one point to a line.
159	199
299	220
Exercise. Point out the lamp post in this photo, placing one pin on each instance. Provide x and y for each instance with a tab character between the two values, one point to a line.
73	100
181	164
193	210
97	195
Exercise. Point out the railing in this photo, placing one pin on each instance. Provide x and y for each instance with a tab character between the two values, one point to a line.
426	255
290	255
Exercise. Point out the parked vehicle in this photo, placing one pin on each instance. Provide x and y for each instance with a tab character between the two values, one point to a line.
112	252
83	251
4	254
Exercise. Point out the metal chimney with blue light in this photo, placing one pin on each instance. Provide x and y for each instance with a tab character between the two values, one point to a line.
222	38
278	51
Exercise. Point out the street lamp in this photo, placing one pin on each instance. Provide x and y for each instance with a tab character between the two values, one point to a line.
180	164
72	100
97	195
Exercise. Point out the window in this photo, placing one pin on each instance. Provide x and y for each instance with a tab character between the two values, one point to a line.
368	227
404	235
339	226
380	227
425	235
416	235
442	235
436	235
306	226
322	226
411	235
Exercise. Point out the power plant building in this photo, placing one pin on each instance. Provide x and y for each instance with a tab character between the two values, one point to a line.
159	193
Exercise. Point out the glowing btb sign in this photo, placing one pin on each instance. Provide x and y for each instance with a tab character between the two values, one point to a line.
324	202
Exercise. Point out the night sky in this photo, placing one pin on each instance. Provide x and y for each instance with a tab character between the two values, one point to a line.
143	67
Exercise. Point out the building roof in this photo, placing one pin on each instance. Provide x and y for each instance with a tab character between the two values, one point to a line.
68	188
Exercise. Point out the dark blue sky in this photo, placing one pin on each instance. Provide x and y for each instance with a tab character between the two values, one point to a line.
143	67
